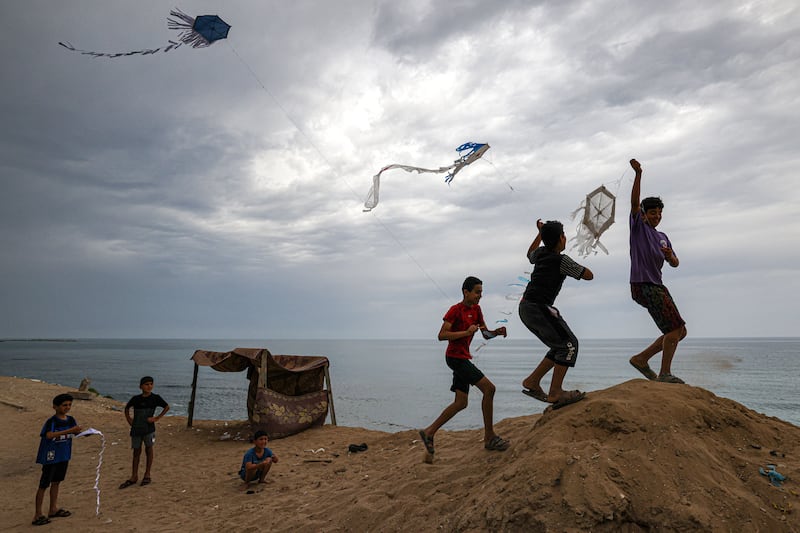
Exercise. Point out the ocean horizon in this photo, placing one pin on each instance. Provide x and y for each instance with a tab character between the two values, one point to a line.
398	384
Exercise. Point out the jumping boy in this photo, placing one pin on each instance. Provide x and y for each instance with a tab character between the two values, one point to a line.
55	451
143	428
461	322
649	249
257	460
550	269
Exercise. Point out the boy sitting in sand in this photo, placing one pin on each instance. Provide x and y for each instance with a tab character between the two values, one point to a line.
257	461
143	428
55	451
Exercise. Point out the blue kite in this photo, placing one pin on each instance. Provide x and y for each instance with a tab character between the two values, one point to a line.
198	32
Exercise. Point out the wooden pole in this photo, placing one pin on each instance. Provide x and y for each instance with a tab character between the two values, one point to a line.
191	400
330	394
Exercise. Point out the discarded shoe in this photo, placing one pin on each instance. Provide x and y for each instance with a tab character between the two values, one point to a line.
355	448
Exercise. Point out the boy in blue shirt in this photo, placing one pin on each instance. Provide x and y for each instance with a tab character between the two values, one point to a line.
257	460
55	451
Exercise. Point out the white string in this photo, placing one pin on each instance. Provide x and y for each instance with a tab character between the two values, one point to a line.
92	431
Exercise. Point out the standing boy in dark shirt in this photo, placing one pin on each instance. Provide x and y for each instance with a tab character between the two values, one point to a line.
550	269
143	428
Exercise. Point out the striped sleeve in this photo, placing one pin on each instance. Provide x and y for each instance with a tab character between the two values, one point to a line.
571	268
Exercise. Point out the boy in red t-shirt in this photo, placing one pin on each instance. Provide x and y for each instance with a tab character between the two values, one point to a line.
460	323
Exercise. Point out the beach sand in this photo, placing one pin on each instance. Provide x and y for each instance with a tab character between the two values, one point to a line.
638	456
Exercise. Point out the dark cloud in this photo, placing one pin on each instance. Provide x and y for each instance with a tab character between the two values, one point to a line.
218	192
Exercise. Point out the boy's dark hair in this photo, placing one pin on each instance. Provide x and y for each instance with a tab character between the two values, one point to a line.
652	202
61	398
260	433
470	283
146	379
552	230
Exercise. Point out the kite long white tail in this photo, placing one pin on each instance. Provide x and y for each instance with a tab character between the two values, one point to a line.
476	151
92	431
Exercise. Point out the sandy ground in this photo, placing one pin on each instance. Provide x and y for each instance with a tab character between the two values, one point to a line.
640	456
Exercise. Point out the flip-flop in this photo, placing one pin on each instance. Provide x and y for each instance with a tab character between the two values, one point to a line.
645	370
127	484
497	444
42	520
355	448
61	513
669	378
575	396
427	441
146	481
537	394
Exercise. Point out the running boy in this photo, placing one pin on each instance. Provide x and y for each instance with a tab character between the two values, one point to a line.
257	460
143	428
55	451
649	249
460	323
550	269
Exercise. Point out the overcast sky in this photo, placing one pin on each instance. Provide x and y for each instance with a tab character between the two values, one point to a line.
218	192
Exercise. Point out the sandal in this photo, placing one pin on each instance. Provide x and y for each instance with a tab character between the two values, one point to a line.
427	441
127	484
645	370
569	398
61	513
669	378
146	481
497	444
42	520
537	394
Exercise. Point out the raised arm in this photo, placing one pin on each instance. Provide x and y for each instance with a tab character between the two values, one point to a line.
637	186
538	240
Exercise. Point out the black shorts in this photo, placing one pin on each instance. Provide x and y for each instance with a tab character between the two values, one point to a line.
464	374
53	473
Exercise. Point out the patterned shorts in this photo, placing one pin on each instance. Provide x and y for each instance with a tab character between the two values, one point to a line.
659	303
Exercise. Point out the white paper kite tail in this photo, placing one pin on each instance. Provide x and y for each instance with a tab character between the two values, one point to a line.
92	431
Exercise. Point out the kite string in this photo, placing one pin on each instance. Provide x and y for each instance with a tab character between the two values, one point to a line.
330	165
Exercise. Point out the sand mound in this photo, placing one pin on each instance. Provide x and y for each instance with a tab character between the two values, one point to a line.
635	457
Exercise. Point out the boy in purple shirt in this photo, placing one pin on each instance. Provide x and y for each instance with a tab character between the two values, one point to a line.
649	249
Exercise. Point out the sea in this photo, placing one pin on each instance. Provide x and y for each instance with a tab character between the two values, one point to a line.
395	385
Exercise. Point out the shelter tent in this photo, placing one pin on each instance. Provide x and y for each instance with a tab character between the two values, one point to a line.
286	394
